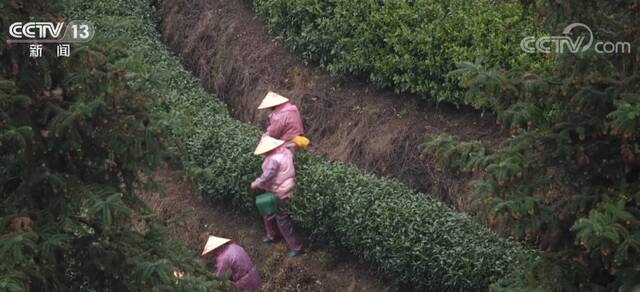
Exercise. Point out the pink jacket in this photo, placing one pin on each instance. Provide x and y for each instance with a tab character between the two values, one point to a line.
285	122
244	275
278	173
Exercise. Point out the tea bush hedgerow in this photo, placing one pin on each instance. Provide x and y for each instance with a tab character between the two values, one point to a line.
409	46
407	235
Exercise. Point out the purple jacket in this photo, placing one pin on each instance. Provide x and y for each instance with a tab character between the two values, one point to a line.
244	275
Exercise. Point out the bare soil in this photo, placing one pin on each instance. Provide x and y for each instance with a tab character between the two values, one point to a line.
228	47
191	218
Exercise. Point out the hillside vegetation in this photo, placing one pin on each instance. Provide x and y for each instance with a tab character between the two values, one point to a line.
408	235
73	138
409	46
568	180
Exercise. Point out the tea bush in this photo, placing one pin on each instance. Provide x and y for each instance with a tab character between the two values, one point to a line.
407	235
410	46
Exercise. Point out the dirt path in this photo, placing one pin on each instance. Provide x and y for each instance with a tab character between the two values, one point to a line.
191	218
228	47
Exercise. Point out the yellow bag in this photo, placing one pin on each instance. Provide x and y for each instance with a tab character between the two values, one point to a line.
301	142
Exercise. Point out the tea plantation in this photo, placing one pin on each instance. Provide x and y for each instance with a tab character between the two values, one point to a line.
408	235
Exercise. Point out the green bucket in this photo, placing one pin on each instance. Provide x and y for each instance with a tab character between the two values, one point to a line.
267	204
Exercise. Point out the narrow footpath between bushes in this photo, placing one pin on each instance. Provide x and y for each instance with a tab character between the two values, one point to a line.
190	218
229	49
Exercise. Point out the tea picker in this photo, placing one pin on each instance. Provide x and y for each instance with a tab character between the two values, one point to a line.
278	179
285	122
233	259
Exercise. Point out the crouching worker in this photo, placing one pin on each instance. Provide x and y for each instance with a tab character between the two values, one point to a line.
278	177
232	259
285	121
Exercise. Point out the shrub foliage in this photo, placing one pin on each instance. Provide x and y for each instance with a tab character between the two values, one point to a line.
569	178
409	46
73	138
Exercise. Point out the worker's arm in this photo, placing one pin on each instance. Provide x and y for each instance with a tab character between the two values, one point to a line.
223	267
270	172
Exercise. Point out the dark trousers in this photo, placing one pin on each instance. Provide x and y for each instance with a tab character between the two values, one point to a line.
280	223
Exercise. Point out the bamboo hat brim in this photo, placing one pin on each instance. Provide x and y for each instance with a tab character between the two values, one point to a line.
214	242
272	99
267	144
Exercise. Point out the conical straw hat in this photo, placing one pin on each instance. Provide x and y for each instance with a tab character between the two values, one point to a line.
267	143
214	242
272	99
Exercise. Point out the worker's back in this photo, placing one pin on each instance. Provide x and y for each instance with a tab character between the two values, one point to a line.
244	274
285	122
